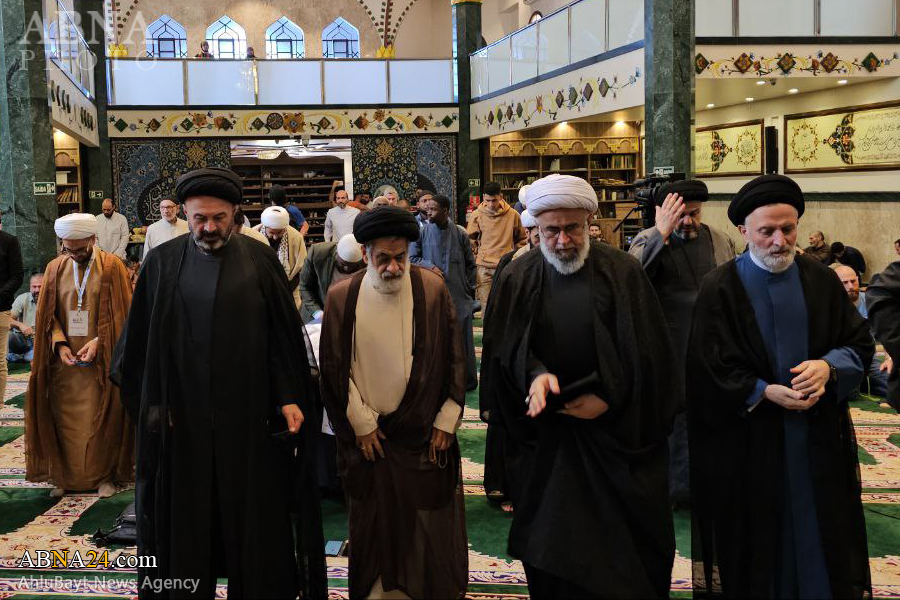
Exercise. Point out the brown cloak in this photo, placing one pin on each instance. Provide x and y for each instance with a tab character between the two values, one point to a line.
111	427
407	521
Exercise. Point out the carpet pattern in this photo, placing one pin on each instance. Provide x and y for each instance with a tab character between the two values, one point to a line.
30	520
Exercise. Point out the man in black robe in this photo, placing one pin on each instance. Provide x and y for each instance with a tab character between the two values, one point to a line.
677	252
212	366
776	349
883	302
592	516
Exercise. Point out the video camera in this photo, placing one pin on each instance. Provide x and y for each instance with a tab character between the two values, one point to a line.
645	192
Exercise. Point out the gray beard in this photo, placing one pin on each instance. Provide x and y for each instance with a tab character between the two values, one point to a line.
204	246
390	286
566	266
775	263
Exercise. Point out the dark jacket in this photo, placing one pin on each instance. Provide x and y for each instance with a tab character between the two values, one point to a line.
315	278
10	269
883	302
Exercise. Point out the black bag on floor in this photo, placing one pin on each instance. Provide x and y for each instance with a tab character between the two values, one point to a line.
124	531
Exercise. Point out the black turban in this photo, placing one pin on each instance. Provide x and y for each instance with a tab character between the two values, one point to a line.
385	221
691	190
762	191
210	181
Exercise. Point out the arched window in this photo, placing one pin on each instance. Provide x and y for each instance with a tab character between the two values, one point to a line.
166	38
340	40
226	39
284	40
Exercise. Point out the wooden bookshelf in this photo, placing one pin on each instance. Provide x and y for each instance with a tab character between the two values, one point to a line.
68	180
607	155
307	182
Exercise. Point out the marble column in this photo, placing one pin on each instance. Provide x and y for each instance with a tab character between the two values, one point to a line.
467	22
96	169
669	89
26	135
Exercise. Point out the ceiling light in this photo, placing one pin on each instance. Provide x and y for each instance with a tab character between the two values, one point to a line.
619	123
761	82
748	99
842	82
710	105
793	91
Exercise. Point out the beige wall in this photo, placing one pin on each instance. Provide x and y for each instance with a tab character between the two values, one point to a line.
871	227
501	17
424	32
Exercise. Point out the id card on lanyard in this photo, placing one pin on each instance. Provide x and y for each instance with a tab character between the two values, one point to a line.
79	318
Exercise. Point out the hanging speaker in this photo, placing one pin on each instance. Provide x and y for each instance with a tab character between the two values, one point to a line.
771	149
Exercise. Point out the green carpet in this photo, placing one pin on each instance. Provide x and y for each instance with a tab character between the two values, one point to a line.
21	506
17	401
8	434
102	514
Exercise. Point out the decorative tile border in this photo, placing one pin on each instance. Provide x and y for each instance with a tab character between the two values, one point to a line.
180	123
613	84
717	62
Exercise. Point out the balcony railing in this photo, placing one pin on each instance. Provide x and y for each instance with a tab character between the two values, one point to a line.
587	28
574	33
68	48
210	82
796	18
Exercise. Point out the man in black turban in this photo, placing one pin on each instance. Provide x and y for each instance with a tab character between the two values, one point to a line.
776	350
208	368
677	252
393	383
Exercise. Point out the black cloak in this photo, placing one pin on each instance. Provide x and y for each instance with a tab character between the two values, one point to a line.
197	461
737	459
593	507
883	301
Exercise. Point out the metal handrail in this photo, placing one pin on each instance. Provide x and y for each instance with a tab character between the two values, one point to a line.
66	32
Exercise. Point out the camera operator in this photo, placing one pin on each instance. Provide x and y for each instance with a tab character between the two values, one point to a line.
676	253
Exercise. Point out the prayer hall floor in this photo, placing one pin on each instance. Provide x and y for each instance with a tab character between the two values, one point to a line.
31	520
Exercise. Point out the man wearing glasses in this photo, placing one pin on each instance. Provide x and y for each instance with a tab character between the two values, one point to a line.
581	376
79	437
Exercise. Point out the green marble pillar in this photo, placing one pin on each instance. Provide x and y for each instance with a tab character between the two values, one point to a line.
467	28
26	135
669	91
96	169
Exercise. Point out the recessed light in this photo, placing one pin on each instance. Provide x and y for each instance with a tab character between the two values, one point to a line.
748	99
710	105
619	123
761	82
793	91
842	82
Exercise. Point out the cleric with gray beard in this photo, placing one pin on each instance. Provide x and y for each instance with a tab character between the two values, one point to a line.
776	350
578	368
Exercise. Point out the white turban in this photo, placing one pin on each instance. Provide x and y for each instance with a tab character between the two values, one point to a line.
276	217
528	221
75	226
349	249
561	191
523	194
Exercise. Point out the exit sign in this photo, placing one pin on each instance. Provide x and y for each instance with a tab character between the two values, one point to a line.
44	188
474	183
95	194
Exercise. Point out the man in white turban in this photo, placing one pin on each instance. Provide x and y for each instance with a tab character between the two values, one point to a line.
326	264
580	376
287	243
79	436
532	232
523	202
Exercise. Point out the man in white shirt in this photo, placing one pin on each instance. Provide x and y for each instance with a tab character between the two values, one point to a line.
339	219
112	230
167	228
